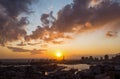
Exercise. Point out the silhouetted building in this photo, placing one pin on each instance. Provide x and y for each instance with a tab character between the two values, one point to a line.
63	58
106	57
0	62
82	58
116	58
91	58
101	58
86	58
96	59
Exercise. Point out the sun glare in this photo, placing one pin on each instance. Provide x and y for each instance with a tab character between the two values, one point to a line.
58	54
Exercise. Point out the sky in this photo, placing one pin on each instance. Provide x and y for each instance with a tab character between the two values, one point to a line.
41	28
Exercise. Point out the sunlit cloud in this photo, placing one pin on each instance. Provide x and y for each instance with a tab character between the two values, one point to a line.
34	51
95	3
111	34
21	44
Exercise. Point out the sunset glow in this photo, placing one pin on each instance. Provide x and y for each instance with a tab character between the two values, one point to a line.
56	39
58	54
76	27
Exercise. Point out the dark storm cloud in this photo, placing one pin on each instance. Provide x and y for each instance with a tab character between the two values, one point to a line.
12	27
79	13
34	51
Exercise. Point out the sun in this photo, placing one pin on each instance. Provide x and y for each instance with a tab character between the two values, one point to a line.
58	54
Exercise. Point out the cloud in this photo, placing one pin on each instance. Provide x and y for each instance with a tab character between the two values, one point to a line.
47	19
44	45
57	42
16	49
34	51
11	24
77	17
47	35
111	34
94	3
32	44
21	44
79	14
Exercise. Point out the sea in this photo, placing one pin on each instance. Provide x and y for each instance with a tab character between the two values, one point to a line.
75	66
